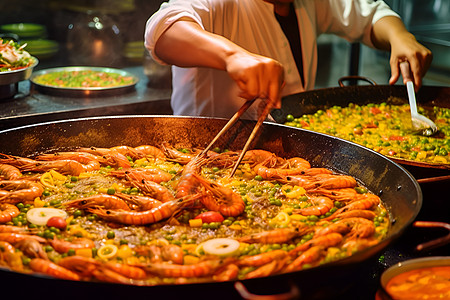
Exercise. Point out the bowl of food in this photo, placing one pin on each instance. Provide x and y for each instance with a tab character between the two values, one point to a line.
421	278
16	64
81	81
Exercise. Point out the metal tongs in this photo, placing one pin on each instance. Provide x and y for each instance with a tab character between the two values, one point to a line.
233	120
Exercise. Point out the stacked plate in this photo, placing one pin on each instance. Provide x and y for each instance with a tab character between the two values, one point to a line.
134	51
26	30
35	36
41	48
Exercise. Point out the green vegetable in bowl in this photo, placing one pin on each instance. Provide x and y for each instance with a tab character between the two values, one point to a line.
13	56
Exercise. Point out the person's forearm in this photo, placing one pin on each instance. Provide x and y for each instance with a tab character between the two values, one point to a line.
386	29
186	44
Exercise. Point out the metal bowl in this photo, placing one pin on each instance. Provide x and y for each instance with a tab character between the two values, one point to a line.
409	265
84	91
9	77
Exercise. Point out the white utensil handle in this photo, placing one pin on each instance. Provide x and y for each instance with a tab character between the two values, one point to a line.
407	79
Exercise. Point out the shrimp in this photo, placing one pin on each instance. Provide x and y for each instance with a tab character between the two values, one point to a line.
10	172
47	267
188	183
90	161
15	229
172	253
328	240
321	205
151	251
107	275
332	181
263	271
9	255
15	191
361	213
63	166
275	236
149	174
62	246
223	200
315	171
126	270
99	200
148	187
229	272
292	166
147	150
141	202
262	259
154	215
83	266
110	156
342	195
337	227
309	256
8	212
13	238
200	269
360	227
365	201
256	156
31	248
174	155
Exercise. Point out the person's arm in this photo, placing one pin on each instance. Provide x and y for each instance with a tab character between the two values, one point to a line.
389	33
186	44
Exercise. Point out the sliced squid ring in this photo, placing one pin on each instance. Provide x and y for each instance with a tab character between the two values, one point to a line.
221	246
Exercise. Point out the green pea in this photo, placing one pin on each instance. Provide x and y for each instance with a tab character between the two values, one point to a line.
123	242
227	222
92	217
360	190
290	118
77	213
110	234
258	178
111	191
26	260
313	218
71	252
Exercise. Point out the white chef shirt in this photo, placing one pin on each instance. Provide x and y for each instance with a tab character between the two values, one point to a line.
252	25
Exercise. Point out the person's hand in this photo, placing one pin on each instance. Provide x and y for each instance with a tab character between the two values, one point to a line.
257	76
406	47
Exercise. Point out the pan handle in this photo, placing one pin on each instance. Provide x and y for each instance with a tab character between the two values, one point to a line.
294	293
355	78
433	179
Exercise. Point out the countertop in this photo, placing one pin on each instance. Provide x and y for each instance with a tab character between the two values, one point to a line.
30	105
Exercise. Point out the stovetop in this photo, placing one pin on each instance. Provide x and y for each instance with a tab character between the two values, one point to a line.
30	106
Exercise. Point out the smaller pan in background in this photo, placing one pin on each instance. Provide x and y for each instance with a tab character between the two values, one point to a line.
84	91
320	99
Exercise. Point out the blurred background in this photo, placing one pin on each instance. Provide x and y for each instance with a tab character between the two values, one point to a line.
110	33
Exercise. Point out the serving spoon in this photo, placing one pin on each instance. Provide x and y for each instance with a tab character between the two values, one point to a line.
420	123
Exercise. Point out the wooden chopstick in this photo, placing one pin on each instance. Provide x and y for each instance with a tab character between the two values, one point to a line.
233	120
261	119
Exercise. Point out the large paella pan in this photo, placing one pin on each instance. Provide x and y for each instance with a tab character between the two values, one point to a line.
399	193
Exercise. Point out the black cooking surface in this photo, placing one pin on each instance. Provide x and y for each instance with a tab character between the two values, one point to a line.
29	106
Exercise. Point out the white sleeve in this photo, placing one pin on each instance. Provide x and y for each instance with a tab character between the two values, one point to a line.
351	19
169	13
